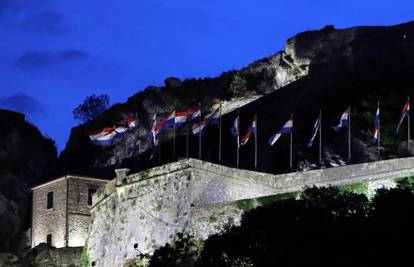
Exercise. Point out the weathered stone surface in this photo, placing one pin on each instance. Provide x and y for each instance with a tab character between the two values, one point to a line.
68	220
201	198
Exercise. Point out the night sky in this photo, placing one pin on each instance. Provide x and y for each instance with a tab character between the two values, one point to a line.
54	53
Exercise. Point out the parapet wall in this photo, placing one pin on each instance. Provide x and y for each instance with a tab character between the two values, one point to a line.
150	207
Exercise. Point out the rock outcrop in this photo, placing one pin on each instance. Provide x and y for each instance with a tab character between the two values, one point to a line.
26	158
327	69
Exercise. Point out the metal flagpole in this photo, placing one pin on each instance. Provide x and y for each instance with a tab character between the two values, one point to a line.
199	146
238	138
349	134
219	156
291	150
159	150
379	131
199	135
320	137
408	118
255	143
174	141
187	152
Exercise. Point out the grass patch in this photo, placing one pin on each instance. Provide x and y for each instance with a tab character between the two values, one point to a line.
358	188
144	174
263	201
245	204
405	182
84	259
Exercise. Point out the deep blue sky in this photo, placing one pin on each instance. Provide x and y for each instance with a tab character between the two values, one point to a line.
54	53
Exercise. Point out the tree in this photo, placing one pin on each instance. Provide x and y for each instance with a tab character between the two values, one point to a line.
238	86
91	107
184	252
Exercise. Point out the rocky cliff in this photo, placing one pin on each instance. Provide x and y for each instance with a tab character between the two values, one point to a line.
326	69
26	158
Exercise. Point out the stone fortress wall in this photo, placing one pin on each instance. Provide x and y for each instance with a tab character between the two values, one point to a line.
150	207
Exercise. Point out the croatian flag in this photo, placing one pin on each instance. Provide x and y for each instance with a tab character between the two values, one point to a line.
132	122
405	113
153	135
377	124
180	118
287	128
214	118
316	128
198	128
235	130
250	131
344	121
104	137
194	114
120	131
166	122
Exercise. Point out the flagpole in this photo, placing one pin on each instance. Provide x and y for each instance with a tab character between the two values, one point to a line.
159	150
187	152
408	118
174	141
379	131
238	138
154	135
349	135
320	136
255	143
291	150
219	156
199	135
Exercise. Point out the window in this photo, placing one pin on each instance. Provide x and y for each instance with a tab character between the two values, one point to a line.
49	240
91	191
50	200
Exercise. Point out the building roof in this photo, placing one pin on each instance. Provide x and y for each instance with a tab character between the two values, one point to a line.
71	177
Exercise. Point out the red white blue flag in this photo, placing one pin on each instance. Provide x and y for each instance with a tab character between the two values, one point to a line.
316	128
120	131
194	115
166	122
405	113
104	137
286	128
198	128
153	134
132	122
235	130
181	118
214	118
344	121
251	131
377	125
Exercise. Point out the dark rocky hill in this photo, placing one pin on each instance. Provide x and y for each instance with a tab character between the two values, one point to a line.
26	158
326	69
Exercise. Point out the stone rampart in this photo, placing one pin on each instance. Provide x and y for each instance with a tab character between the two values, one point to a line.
150	207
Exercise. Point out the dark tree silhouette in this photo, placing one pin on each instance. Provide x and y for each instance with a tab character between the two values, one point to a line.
91	107
326	227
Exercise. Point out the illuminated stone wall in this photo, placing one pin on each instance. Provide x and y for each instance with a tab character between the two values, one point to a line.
150	207
49	221
78	209
72	218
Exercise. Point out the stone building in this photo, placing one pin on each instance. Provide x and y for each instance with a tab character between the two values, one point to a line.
61	211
